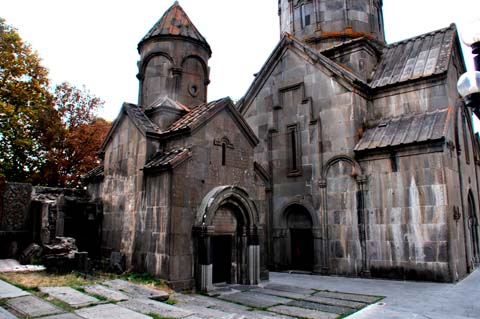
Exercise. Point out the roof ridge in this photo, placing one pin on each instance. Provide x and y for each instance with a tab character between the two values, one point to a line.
452	26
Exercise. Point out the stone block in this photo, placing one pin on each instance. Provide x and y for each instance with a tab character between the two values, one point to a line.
351	297
63	316
108	293
30	306
109	311
279	293
336	302
320	307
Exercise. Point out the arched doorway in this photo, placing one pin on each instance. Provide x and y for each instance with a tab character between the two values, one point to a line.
473	228
227	239
299	224
226	243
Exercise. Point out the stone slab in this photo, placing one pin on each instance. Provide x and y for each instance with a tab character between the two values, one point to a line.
108	293
303	313
5	314
351	297
280	293
109	311
148	306
63	316
12	265
253	299
288	288
322	307
30	306
70	296
137	291
10	291
212	303
336	302
204	312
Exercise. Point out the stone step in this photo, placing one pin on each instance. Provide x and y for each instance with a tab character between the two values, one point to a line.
137	291
70	296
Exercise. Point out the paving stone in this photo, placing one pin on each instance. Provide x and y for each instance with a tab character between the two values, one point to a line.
5	314
10	291
322	307
137	291
108	293
212	303
70	296
31	306
267	315
109	311
253	299
63	316
280	293
205	312
303	313
344	296
336	302
288	288
148	306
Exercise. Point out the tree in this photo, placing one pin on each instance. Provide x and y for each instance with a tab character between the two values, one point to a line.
25	108
79	136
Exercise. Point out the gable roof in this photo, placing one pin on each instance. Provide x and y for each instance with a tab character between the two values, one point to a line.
406	130
202	113
139	119
175	22
287	42
165	101
415	58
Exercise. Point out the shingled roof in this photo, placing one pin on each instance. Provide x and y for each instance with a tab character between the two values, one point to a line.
96	173
414	58
167	160
175	22
406	130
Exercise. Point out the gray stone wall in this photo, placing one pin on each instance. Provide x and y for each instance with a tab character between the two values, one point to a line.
122	188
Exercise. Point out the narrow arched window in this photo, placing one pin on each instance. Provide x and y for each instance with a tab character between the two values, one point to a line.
224	154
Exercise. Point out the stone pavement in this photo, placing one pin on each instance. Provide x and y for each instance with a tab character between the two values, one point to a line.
285	296
404	299
130	301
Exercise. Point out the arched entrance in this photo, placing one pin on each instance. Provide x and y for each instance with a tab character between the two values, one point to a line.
227	243
299	224
473	228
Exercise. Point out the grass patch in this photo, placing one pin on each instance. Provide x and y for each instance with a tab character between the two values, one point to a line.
171	301
31	281
147	280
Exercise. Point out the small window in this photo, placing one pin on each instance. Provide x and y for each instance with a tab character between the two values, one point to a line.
293	151
465	131
305	15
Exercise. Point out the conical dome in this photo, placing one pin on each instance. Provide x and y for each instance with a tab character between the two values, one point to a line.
175	22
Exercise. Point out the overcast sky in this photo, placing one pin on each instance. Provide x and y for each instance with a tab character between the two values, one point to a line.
94	42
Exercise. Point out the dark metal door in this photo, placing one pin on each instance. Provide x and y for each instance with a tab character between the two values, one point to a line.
302	249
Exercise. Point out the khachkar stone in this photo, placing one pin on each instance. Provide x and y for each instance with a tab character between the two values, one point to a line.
16	205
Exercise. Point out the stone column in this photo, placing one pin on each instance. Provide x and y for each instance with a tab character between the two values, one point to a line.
322	184
205	266
318	250
253	257
363	223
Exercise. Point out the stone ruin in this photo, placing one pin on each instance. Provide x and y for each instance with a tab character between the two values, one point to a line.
58	227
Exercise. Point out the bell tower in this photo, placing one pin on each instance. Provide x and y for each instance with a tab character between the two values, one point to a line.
325	23
173	61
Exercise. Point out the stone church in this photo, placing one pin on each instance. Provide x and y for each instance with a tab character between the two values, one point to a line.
346	156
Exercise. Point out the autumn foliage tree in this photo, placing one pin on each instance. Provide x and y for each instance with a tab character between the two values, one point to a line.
77	138
47	138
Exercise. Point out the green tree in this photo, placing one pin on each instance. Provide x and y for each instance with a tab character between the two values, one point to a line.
26	108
